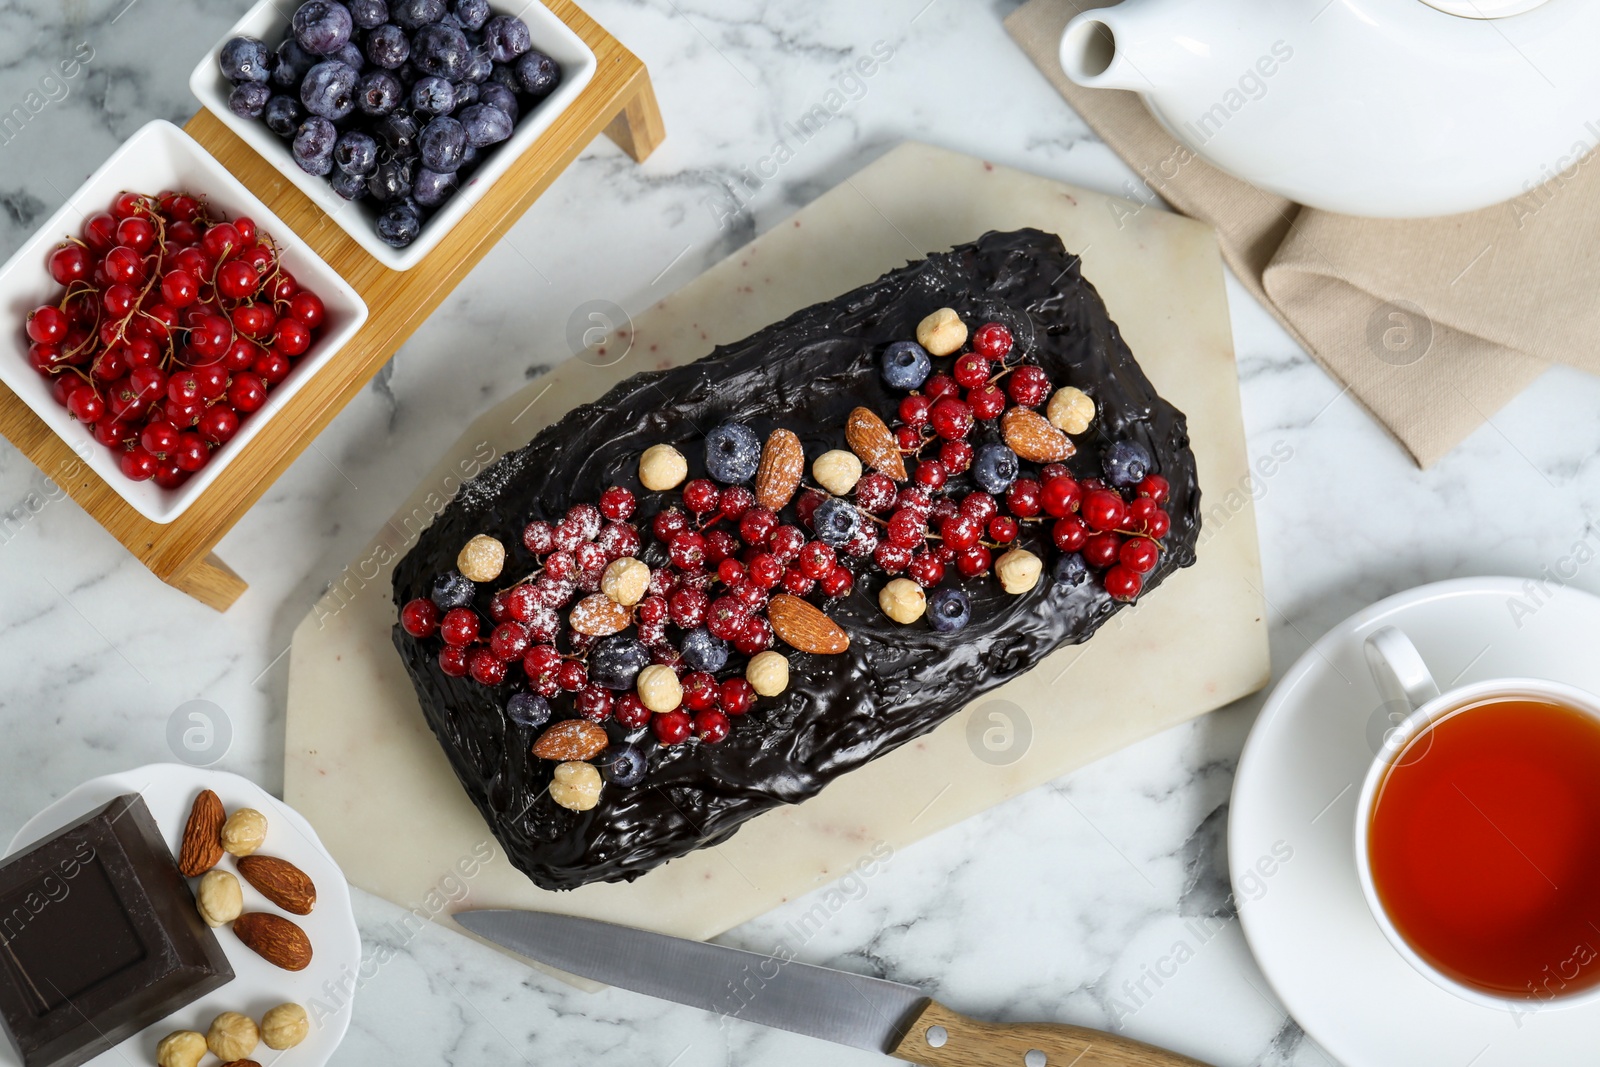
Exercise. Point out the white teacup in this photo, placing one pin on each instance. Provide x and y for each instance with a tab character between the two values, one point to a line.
1405	682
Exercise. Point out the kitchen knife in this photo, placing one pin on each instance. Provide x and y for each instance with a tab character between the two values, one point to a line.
868	1013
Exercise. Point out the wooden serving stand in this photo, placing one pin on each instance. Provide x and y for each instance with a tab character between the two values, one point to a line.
619	101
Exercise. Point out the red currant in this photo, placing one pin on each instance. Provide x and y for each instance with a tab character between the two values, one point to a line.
572	676
720	545
671	728
486	668
192	452
459	627
914	410
907	439
951	418
817	559
973	561
1159	525
891	557
731	571
669	523
960	531
787	541
247	393
798	582
1003	529
1122	583
47	325
1024	498
593	703
938	387
453	661
915	500
875	492
687	608
291	338
1028	386
68	264
85	405
837	583
617	503
926	570
1103	509
305	306
734	502
1155	488
992	340
711	726
755	637
756	525
509	640
931	474
237	280
123	264
699	691
702	496
735	696
688	550
971	370
139	465
956	456
630	711
1069	533
1102	549
100	232
539	537
1140	555
987	402
221	241
1060	496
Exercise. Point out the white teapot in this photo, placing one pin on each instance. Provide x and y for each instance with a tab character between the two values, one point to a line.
1394	108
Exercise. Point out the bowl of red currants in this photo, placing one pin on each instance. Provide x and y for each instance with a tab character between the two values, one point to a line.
394	116
162	316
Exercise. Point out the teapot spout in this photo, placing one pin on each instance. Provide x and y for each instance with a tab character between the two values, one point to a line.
1094	44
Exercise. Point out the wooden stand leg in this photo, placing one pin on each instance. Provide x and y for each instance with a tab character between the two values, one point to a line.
638	129
210	581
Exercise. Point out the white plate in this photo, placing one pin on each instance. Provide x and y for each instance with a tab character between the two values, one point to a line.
269	21
156	158
169	790
1298	780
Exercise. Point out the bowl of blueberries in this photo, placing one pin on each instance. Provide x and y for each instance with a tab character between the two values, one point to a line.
394	116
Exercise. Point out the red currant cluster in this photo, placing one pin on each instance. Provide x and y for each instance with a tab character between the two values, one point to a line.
172	328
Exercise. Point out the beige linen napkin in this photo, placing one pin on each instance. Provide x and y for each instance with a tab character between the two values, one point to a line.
1433	324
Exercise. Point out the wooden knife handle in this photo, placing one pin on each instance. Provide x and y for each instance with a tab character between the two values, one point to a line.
971	1043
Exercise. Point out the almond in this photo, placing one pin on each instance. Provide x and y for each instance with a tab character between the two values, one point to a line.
571	740
599	616
783	461
281	882
871	440
202	836
1031	436
275	939
804	627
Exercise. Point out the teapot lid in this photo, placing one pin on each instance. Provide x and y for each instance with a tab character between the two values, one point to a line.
1484	9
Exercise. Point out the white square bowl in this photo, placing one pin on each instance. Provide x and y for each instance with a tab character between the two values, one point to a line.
269	21
156	158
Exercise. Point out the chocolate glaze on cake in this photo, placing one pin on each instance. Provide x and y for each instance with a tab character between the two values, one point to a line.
895	682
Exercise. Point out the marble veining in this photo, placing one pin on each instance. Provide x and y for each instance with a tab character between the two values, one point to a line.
1055	906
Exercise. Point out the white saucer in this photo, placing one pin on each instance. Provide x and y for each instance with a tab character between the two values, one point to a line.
1307	922
169	790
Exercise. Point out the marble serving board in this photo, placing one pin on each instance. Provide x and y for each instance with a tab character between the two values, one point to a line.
363	767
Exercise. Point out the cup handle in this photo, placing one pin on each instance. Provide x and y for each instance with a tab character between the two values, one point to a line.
1397	667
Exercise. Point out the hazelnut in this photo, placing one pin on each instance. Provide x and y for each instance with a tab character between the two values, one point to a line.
1018	570
942	333
242	834
662	467
837	471
768	673
284	1026
181	1048
1070	410
219	898
576	786
482	559
232	1036
626	580
903	600
659	689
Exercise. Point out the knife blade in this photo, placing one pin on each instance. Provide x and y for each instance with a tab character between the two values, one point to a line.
778	991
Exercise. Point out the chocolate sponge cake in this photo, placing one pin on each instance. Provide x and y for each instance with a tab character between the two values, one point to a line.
721	586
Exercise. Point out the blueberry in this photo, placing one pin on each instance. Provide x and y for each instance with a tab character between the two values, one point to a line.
504	74
246	59
479	67
994	468
441	51
408	74
433	96
414	14
703	652
906	365
368	14
430	188
615	662
441	143
498	96
390	180
355	153
322	26
469	159
623	764
400	224
249	99
452	589
351	57
485	125
733	452
837	522
466	94
388	46
1070	571
313	145
379	93
528	709
283	114
350	186
1126	463
948	610
472	13
398	132
293	62
330	89
507	38
539	75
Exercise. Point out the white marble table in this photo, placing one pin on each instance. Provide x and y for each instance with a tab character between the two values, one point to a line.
1043	908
